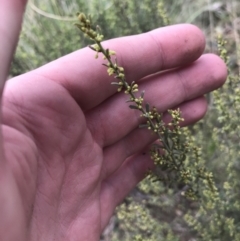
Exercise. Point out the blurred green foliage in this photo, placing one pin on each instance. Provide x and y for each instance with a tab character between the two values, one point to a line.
48	31
153	211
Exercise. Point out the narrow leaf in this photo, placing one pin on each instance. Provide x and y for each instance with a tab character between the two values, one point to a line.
147	107
91	48
165	135
170	142
133	107
78	25
158	146
143	126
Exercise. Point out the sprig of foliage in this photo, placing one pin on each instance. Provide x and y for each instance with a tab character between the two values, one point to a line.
218	219
169	153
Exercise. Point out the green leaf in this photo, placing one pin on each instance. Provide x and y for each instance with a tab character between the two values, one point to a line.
133	107
147	107
143	126
91	48
157	146
114	83
78	26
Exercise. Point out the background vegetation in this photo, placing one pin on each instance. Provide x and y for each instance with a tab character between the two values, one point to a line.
152	211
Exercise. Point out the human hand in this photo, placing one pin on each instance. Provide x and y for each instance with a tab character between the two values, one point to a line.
72	147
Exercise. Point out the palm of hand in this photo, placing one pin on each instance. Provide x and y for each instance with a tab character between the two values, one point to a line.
56	184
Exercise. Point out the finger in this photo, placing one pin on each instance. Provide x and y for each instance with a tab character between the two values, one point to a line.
11	14
112	120
117	187
141	55
138	139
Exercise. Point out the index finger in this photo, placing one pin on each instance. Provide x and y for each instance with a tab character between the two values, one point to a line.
140	55
11	14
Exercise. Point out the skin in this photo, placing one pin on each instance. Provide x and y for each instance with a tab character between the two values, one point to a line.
70	148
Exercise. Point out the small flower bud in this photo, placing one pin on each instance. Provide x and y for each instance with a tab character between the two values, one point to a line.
82	17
